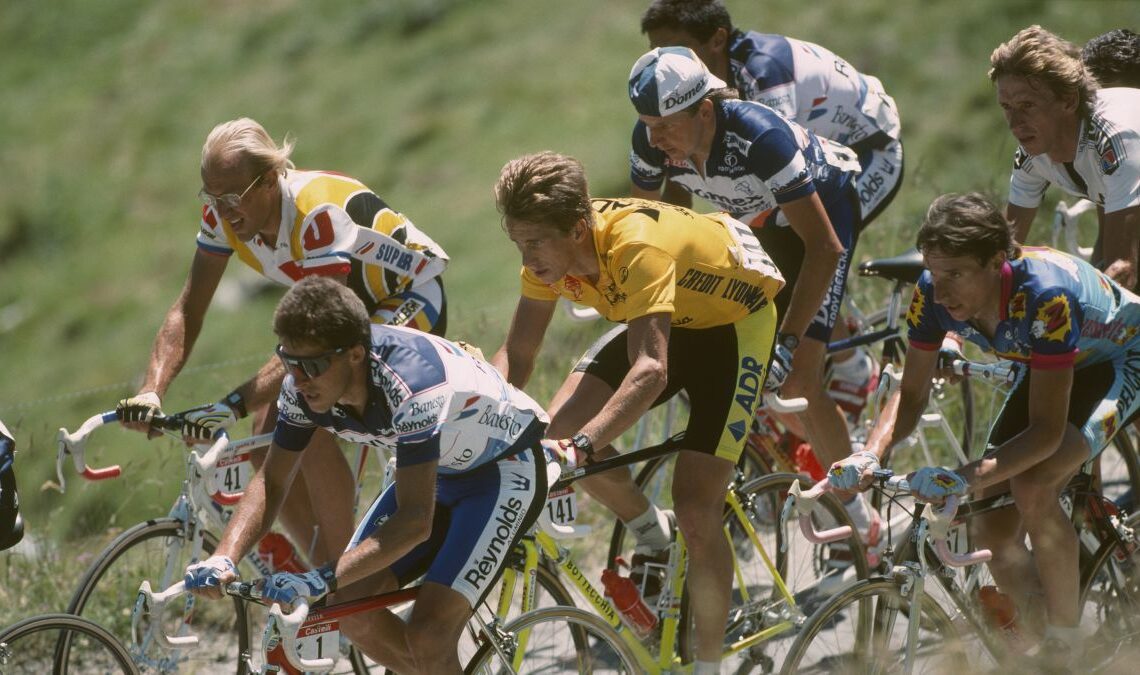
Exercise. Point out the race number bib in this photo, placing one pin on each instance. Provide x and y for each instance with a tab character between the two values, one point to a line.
232	473
562	506
319	641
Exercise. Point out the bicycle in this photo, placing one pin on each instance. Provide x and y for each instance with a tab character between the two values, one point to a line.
871	626
28	647
773	585
159	550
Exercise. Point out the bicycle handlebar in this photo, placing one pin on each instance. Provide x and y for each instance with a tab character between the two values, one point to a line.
773	402
1002	371
149	603
802	503
939	520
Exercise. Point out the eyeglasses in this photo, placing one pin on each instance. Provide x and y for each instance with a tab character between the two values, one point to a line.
311	366
230	200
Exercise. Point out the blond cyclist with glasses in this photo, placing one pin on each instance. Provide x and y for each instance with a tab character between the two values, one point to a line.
288	224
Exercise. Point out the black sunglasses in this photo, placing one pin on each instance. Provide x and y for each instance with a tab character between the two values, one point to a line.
311	366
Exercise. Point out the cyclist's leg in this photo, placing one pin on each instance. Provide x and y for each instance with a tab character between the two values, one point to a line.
699	507
317	514
491	508
586	390
724	379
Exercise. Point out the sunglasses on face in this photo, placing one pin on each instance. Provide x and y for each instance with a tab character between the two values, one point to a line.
311	366
230	200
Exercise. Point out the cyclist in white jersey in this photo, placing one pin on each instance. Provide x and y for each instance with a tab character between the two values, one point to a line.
287	224
1070	134
470	473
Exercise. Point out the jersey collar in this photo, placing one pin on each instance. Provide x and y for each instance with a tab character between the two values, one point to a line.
1006	290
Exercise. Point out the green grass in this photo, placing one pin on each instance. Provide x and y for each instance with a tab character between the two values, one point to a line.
107	103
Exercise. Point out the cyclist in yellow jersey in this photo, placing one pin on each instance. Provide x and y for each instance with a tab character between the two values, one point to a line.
288	224
694	293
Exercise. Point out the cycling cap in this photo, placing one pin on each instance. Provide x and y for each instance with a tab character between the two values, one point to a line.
668	79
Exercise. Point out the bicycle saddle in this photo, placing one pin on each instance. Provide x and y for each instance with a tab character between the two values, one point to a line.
906	267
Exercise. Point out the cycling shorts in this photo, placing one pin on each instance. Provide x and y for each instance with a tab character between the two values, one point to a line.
722	369
1103	400
880	179
786	249
423	307
479	515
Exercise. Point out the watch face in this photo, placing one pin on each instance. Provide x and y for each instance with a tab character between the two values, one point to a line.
582	441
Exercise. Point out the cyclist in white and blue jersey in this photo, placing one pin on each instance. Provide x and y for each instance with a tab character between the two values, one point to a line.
802	81
1077	332
794	189
470	473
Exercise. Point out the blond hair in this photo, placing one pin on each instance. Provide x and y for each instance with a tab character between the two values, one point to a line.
246	143
1041	56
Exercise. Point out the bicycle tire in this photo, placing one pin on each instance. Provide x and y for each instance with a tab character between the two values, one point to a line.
1120	471
595	647
872	608
810	572
1110	599
29	647
115	575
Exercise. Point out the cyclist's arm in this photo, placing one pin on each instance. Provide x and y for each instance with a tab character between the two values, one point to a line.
1022	219
515	359
1120	234
407	527
1048	418
261	501
183	322
899	416
648	345
822	251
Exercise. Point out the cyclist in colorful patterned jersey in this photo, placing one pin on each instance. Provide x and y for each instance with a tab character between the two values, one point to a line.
1078	334
287	224
470	473
694	293
1085	141
802	81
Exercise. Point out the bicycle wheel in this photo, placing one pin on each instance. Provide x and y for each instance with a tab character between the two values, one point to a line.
29	647
158	551
761	613
1110	606
1120	471
863	630
593	646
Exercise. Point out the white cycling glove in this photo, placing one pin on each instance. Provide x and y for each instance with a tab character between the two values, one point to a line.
778	368
200	423
139	408
286	587
208	573
935	484
847	473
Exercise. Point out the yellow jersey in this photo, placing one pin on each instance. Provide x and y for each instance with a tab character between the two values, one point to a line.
705	269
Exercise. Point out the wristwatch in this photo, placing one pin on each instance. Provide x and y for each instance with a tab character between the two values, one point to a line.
788	340
582	442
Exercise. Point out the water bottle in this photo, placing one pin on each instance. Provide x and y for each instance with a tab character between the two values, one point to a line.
1000	609
628	601
277	551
